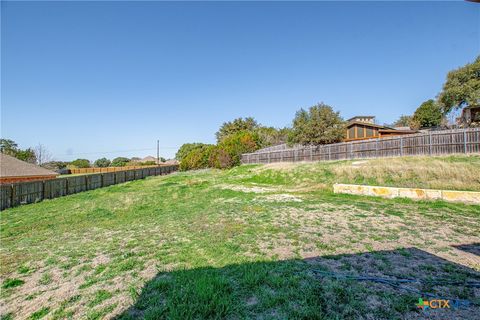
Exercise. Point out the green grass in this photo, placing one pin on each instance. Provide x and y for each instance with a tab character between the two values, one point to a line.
241	243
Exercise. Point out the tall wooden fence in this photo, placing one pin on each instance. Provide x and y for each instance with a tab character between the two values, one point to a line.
429	143
15	194
107	169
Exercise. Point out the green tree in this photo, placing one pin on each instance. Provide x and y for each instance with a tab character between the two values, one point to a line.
428	115
319	125
119	162
237	125
462	88
27	155
403	121
186	148
8	146
55	165
81	163
102	163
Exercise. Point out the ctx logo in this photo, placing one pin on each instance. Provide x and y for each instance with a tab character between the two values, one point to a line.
433	304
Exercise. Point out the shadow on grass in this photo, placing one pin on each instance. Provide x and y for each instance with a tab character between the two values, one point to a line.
473	248
306	289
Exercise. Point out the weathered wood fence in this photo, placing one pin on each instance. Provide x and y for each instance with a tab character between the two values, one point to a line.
107	169
15	194
428	143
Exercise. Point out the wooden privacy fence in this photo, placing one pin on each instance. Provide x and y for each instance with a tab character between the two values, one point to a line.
15	194
429	143
107	169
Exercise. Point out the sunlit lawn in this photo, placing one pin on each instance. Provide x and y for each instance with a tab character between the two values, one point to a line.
244	243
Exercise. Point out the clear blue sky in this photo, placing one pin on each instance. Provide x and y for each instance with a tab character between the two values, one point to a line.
84	77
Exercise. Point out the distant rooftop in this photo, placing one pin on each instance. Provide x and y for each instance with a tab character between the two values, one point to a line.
12	167
367	119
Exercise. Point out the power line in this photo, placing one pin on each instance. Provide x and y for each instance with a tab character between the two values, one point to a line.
116	151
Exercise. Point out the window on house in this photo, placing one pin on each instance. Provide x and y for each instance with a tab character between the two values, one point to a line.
360	132
351	133
369	132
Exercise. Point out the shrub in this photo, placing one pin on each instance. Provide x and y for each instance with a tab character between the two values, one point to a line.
197	158
233	146
219	158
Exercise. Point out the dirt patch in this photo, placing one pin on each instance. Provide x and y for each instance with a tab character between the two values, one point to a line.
254	189
283	197
279	166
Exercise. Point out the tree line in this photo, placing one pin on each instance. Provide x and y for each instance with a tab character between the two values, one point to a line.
40	155
320	124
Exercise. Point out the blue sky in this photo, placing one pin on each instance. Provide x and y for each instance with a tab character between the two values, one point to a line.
89	78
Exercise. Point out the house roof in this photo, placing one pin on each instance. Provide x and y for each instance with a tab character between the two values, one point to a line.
12	167
370	117
397	130
366	124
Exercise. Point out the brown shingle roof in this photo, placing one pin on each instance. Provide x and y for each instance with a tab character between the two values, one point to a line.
12	167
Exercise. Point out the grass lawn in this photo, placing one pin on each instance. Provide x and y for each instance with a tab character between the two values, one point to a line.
252	242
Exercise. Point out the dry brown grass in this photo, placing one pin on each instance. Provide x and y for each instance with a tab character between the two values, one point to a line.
429	172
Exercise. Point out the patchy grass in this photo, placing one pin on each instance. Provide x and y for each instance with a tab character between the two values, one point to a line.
251	242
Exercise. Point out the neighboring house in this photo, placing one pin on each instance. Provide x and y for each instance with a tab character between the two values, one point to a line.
470	116
364	127
13	170
147	159
171	162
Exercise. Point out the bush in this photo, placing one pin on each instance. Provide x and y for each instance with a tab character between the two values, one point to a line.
219	158
197	158
233	146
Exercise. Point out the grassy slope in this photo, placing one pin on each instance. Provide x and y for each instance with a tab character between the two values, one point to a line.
241	243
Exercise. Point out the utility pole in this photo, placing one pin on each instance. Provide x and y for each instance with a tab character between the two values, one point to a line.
158	152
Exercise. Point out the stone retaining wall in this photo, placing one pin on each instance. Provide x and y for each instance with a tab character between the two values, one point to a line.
412	193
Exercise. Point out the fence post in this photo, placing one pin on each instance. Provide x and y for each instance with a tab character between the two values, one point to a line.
268	157
376	148
465	141
43	189
401	146
329	153
101	180
430	143
311	153
12	195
